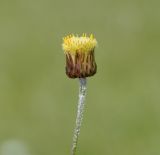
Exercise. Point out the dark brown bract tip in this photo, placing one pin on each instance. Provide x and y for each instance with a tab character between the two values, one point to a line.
80	65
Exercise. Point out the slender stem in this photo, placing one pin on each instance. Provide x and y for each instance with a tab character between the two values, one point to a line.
82	94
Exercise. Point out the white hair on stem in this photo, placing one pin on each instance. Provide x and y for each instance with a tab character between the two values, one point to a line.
82	95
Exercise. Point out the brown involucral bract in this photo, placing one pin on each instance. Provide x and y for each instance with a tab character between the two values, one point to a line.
81	64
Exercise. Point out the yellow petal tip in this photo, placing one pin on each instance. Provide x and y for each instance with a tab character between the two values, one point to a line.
72	44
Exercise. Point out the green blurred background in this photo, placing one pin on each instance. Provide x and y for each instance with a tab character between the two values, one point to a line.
38	101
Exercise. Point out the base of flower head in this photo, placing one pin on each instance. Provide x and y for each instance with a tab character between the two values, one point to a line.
80	65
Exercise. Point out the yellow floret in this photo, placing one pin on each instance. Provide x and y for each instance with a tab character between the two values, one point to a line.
72	44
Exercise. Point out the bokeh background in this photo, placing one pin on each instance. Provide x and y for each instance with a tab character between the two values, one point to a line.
38	101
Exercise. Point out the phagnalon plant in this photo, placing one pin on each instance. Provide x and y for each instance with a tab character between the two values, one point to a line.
80	63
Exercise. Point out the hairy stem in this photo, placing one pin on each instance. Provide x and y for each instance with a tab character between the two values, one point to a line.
82	95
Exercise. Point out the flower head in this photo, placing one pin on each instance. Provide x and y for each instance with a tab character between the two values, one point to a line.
80	62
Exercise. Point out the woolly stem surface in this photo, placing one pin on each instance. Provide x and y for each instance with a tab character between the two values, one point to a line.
82	95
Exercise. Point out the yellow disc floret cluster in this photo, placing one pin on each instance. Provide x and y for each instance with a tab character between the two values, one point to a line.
72	44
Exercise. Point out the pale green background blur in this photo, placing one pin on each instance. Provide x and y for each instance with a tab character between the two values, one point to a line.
38	101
